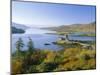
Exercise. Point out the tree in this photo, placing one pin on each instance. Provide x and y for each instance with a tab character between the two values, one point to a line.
19	46
30	45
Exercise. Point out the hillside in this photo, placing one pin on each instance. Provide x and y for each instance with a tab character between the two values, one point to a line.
16	30
19	26
75	28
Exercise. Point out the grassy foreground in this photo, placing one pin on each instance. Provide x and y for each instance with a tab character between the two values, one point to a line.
68	59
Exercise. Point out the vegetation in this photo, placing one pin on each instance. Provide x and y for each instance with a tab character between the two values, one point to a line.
34	60
15	30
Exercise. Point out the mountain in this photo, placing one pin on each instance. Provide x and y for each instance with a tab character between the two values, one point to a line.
75	28
19	26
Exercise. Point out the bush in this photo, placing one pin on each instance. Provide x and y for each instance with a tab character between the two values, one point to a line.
87	54
16	66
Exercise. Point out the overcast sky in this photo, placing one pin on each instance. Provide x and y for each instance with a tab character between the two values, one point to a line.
45	14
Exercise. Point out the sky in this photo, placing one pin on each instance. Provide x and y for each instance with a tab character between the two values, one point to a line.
49	14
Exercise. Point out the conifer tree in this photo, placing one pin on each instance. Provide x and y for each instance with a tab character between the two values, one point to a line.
19	46
30	45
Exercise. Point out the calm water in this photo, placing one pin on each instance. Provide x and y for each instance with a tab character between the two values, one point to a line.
77	36
40	39
82	38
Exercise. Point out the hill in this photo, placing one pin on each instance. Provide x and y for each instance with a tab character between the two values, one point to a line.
16	30
75	28
19	26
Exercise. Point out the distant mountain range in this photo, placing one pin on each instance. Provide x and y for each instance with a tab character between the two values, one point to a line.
18	28
74	28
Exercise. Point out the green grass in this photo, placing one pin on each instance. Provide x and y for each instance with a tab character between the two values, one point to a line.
63	33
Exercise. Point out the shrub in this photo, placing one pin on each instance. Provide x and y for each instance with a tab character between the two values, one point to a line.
87	54
16	66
